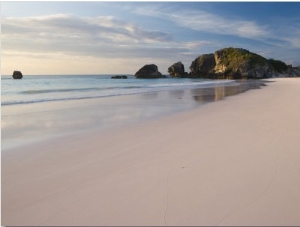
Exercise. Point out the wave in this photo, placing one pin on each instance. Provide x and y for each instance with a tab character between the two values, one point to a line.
102	92
7	103
74	89
55	90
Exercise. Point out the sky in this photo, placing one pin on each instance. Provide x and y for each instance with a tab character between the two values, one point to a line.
44	38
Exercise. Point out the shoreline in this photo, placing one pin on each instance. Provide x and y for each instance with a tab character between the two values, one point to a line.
23	124
234	162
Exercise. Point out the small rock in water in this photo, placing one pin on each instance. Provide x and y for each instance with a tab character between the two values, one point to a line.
17	75
119	77
149	72
177	70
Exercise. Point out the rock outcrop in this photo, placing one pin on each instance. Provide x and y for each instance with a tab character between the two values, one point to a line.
292	71
177	70
231	63
149	72
119	77
17	75
203	66
227	63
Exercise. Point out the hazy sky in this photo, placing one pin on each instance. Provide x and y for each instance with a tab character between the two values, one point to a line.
121	37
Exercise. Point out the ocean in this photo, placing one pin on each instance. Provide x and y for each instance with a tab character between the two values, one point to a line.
38	108
34	89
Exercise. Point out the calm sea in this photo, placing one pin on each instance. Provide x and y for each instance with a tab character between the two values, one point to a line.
35	89
38	108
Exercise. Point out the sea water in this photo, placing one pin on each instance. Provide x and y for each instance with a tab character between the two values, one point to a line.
33	89
38	108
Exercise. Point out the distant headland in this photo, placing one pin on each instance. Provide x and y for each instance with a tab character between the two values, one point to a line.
227	63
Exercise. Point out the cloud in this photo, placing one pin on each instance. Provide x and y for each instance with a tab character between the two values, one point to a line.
67	26
207	22
277	32
61	36
216	26
197	44
65	42
291	34
98	36
202	21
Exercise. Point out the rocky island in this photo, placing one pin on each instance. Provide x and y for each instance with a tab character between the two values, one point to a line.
238	63
227	63
177	70
149	72
17	75
119	77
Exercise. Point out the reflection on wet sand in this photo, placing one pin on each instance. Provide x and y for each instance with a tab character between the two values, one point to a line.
178	94
150	95
203	95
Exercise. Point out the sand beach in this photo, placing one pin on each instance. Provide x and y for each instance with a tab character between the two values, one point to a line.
231	162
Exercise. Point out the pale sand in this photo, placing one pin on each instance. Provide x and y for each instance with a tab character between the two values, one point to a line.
232	162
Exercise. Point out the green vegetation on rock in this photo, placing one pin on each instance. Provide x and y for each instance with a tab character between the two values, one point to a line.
279	66
233	57
232	63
